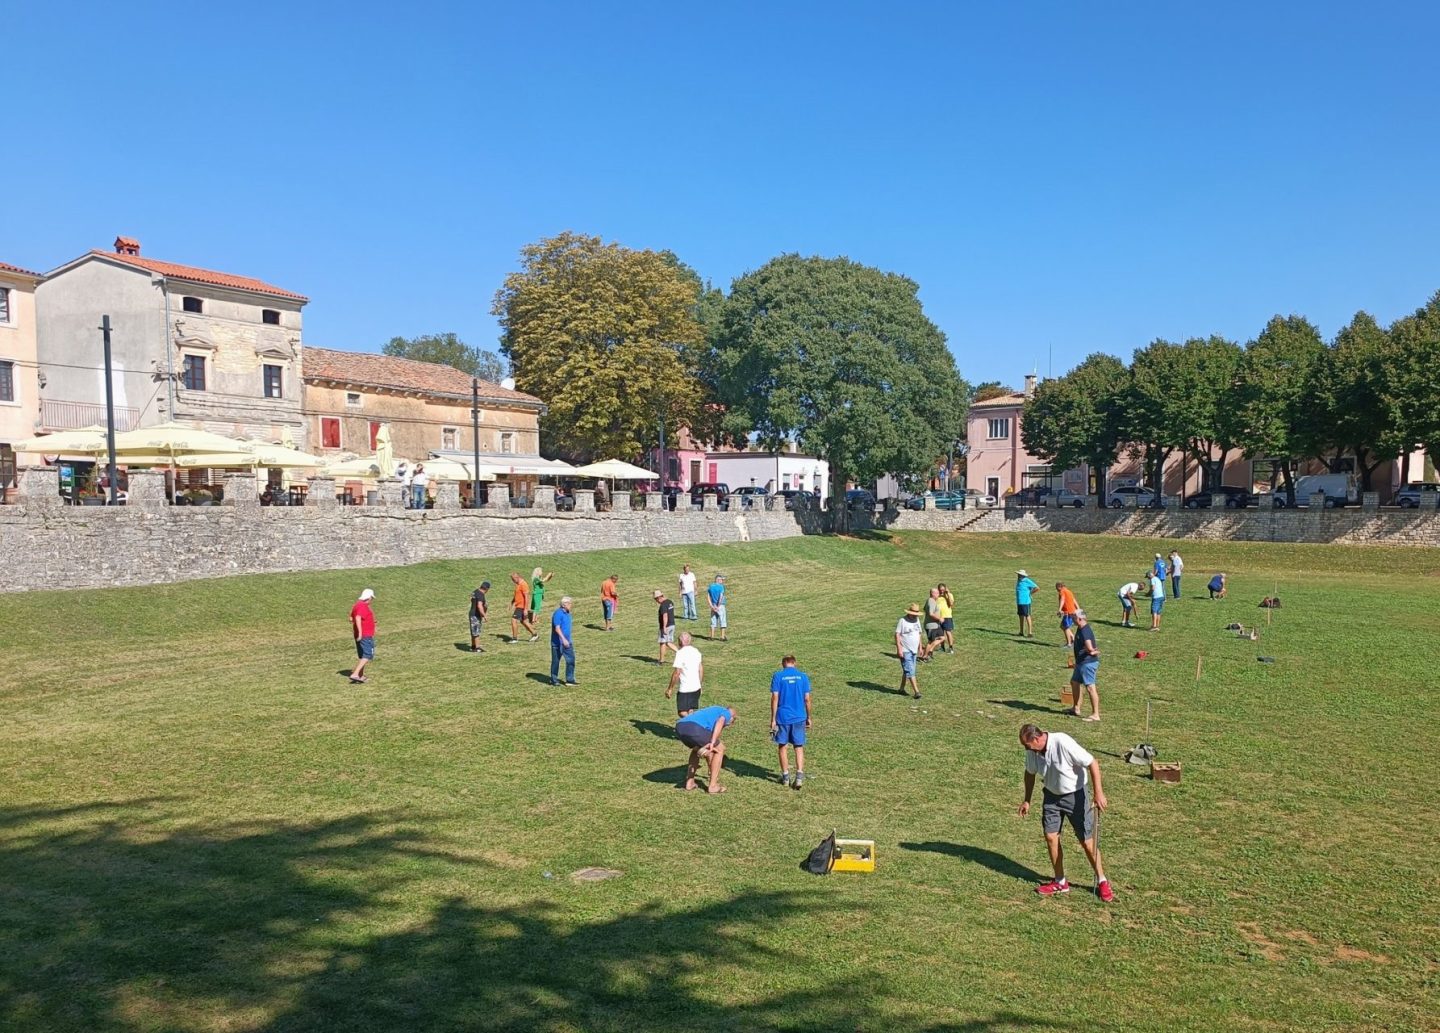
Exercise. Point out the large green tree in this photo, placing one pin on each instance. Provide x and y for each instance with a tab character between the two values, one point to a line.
1079	418
1273	404
1182	398
1349	409
841	357
607	337
1412	384
448	350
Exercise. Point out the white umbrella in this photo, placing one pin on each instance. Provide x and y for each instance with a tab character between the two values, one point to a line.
616	470
84	441
365	468
175	439
256	453
454	470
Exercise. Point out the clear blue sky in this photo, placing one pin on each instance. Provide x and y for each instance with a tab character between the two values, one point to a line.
1070	175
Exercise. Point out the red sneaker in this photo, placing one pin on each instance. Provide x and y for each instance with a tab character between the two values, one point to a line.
1054	886
1104	892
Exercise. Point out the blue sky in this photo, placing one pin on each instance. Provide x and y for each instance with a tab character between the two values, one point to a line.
1057	177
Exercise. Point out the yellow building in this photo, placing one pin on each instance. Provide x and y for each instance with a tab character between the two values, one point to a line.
19	380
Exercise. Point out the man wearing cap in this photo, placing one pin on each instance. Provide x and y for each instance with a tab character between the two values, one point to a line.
562	644
701	732
1127	603
362	622
478	609
907	648
716	593
666	613
1024	591
1159	566
1062	764
1087	666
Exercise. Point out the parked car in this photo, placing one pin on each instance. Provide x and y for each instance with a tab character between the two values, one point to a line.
720	491
1339	488
1119	498
1235	498
751	496
975	498
794	496
1073	499
1409	496
859	498
1031	495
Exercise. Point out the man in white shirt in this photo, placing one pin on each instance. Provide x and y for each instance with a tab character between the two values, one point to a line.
687	673
1127	603
418	486
907	648
687	593
1157	599
1062	764
1177	567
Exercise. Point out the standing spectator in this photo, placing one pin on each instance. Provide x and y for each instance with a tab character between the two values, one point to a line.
407	477
478	609
701	732
538	580
1068	606
1025	590
362	622
1219	586
934	629
666	614
419	484
947	617
686	676
562	643
1157	599
687	593
1177	567
790	716
1062	764
718	621
1127	603
520	609
1159	566
1087	666
907	648
609	599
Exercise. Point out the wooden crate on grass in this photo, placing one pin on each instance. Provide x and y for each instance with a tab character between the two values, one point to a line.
1162	771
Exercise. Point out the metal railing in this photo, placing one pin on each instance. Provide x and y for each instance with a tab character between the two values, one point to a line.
56	414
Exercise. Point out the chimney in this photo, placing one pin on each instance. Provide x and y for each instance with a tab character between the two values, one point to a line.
127	246
1029	385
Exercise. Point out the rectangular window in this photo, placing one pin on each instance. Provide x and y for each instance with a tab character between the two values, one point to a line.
374	435
329	432
192	374
192	304
999	428
507	443
7	381
4	304
352	399
270	316
273	382
449	438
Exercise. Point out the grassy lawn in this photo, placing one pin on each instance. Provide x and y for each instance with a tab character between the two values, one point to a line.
204	827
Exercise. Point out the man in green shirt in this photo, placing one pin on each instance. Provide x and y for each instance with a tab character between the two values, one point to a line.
538	579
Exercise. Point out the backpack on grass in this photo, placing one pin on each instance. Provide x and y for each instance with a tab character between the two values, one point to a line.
822	858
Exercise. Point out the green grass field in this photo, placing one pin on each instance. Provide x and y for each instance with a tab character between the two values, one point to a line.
204	827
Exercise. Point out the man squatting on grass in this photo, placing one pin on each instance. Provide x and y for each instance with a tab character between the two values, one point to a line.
1218	586
701	732
1087	666
1062	763
790	716
1127	603
478	609
1024	591
686	674
362	622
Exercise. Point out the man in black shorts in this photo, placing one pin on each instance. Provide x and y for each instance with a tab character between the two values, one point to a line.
665	610
1062	765
477	615
700	731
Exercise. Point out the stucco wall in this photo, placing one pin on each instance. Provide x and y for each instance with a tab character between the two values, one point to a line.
416	424
17	345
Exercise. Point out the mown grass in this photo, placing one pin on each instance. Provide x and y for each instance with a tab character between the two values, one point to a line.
204	827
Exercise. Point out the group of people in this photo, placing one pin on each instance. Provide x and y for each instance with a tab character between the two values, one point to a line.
939	635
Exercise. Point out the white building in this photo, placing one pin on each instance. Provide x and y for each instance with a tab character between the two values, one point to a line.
774	471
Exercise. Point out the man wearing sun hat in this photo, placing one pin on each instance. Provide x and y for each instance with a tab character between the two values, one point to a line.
907	648
1025	589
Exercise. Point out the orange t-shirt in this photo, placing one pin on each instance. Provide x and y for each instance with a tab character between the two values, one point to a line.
522	597
607	590
1067	601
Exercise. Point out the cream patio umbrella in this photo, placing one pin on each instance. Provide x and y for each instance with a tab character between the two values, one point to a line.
444	469
84	441
363	468
616	470
256	453
175	439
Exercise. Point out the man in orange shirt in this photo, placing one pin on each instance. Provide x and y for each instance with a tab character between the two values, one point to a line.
609	599
520	613
1068	608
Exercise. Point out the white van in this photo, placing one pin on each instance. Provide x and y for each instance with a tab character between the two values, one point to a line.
1341	489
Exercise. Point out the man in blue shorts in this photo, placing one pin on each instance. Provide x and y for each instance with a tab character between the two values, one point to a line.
1157	599
716	592
1062	764
790	717
1127	603
1024	591
907	648
701	732
1087	666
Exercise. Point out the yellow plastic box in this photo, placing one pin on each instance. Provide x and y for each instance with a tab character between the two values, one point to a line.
855	855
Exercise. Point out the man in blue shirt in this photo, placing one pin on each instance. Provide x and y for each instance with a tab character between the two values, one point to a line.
562	644
716	592
1024	589
700	730
790	717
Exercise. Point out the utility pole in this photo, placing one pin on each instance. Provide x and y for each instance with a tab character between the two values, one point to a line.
109	408
475	442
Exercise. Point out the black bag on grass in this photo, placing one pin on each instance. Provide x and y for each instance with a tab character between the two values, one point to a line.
822	858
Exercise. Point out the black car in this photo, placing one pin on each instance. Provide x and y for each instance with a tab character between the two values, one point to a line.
859	498
720	491
798	497
751	497
1235	498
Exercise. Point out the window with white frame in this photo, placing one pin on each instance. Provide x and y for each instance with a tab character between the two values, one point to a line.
192	373
352	399
450	437
7	381
4	304
507	443
273	381
999	428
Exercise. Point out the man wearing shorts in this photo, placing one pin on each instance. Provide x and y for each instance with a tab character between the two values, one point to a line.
947	617
790	717
1127	603
609	599
686	675
1024	591
1157	599
1087	666
1062	765
934	629
701	732
562	643
1218	586
477	615
520	609
1068	606
716	592
907	648
687	593
362	622
666	614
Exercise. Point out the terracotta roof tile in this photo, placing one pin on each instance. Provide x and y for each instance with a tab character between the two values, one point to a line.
369	369
1000	401
195	275
7	267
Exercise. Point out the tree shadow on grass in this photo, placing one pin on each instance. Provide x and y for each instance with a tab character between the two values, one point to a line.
873	687
122	917
998	863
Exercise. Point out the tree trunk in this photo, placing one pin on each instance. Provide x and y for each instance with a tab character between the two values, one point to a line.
1405	468
839	511
1287	475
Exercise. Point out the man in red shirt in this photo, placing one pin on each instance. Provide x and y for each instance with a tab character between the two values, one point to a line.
362	623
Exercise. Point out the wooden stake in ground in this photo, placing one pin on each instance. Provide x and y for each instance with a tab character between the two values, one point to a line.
1199	663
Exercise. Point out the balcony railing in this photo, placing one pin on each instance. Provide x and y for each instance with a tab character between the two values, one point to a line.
59	415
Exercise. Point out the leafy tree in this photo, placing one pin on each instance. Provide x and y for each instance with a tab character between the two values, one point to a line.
1079	418
990	389
607	336
1182	399
1412	384
1349	408
448	350
841	357
1155	411
1274	401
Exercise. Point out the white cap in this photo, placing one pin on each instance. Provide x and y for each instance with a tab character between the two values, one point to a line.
369	593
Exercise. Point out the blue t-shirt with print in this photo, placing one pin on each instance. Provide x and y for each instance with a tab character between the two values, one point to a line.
1023	588
792	686
708	717
717	594
560	625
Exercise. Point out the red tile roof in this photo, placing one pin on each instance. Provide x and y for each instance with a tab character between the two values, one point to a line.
369	369
8	268
191	273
